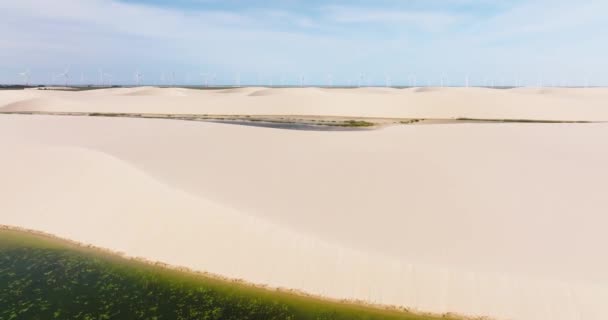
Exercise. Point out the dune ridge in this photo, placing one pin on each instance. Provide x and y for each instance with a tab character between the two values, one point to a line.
434	218
565	104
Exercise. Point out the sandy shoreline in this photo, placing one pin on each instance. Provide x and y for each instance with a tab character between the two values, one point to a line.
328	121
164	265
497	219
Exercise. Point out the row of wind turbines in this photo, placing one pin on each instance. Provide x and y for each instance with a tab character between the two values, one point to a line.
362	80
105	79
26	76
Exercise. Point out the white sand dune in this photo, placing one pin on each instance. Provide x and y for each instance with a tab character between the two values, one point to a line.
500	220
8	97
242	90
429	89
288	91
155	92
436	103
377	90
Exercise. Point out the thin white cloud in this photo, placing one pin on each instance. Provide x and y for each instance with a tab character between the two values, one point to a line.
428	20
94	33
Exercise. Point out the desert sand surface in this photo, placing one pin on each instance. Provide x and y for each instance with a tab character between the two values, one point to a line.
559	104
504	220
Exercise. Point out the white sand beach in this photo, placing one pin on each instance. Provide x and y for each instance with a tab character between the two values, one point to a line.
504	220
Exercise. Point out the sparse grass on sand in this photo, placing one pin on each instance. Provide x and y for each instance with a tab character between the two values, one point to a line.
356	123
43	277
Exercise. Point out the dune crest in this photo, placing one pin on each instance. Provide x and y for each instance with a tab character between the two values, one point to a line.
158	92
555	104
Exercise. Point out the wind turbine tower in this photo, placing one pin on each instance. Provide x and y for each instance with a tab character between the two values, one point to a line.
26	77
100	77
138	77
65	75
108	78
205	79
387	80
412	80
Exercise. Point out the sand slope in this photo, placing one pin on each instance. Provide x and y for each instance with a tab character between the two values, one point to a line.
438	103
502	220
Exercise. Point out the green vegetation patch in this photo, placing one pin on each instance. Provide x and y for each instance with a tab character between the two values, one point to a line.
46	278
357	123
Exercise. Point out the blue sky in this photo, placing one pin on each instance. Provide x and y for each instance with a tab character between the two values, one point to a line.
272	41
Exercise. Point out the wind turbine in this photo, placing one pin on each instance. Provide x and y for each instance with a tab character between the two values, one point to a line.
108	78
412	80
26	77
330	82
517	81
105	79
301	80
138	77
387	80
100	77
205	79
66	75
